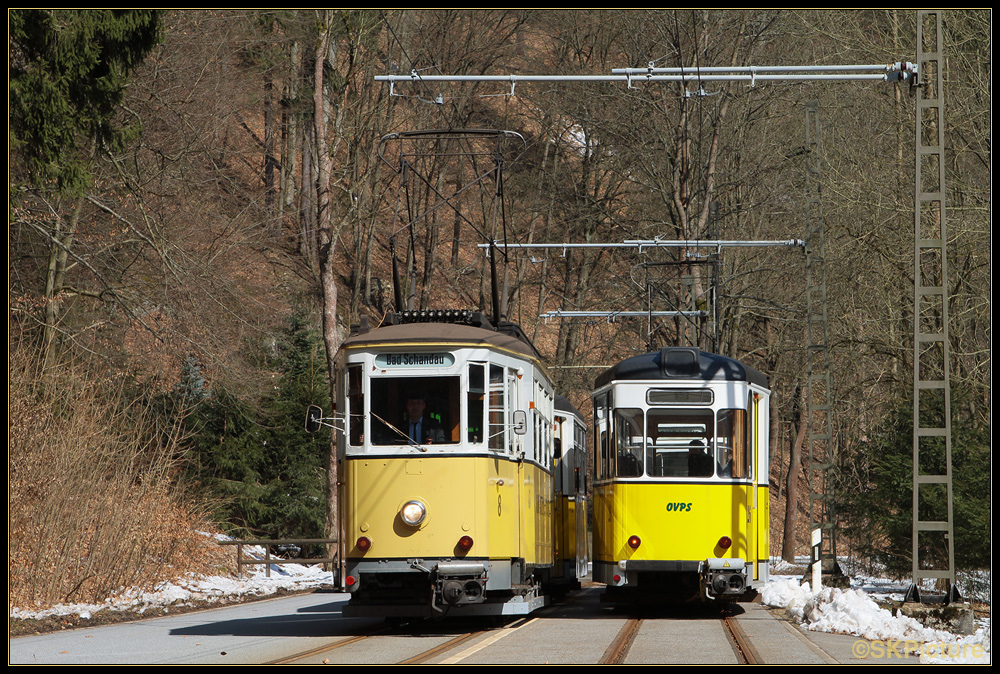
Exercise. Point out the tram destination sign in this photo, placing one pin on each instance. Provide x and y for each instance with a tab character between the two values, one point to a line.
387	360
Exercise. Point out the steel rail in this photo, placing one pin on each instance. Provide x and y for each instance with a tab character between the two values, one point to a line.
741	644
616	652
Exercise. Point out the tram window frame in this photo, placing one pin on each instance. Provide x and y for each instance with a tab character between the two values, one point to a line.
732	433
627	428
476	398
441	393
496	408
513	403
546	403
679	428
602	407
355	394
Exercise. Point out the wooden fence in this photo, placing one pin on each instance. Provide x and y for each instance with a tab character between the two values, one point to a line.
242	560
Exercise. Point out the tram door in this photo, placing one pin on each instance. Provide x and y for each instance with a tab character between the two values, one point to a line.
750	440
505	506
524	490
580	497
761	431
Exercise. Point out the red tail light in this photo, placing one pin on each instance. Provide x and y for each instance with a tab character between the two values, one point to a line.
350	580
725	542
465	543
634	542
364	544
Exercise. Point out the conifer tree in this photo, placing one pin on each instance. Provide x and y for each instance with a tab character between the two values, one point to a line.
68	72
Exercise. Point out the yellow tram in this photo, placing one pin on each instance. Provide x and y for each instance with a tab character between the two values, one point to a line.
681	478
452	513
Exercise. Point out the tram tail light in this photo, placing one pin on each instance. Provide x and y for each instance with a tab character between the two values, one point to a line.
465	543
634	542
364	544
725	542
350	581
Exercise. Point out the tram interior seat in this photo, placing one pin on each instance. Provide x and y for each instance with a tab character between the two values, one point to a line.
668	457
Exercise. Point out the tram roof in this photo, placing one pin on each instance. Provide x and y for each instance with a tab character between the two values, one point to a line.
564	405
680	364
439	333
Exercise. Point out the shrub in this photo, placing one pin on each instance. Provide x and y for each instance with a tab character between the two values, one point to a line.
92	506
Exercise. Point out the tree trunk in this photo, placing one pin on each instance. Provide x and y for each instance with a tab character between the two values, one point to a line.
59	245
327	251
794	468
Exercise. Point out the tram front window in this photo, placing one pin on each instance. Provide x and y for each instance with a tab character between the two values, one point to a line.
679	442
415	410
628	434
732	454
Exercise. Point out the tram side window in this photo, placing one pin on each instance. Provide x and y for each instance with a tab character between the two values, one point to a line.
679	442
356	405
497	409
731	456
513	400
398	401
628	438
477	398
601	449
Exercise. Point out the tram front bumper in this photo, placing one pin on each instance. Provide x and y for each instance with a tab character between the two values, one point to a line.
718	577
454	583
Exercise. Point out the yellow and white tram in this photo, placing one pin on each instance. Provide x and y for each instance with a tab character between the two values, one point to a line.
457	516
681	478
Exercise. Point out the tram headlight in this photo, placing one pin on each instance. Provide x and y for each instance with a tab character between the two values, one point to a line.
413	513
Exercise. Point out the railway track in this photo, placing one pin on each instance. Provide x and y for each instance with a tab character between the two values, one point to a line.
617	651
450	651
319	654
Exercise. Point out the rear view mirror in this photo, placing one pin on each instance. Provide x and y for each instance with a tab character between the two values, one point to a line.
520	422
314	418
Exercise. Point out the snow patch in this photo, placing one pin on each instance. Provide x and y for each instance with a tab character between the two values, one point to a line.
854	612
192	589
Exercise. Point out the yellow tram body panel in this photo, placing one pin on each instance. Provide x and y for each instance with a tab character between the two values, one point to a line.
678	522
565	542
500	504
763	524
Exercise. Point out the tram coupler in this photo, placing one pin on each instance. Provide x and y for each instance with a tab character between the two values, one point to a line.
724	577
458	583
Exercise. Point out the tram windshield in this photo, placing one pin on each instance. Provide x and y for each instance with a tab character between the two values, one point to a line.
420	410
679	443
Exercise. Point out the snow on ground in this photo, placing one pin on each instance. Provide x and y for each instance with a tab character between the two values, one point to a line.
855	612
851	611
196	590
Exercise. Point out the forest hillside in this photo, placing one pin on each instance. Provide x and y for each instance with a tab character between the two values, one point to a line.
199	206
